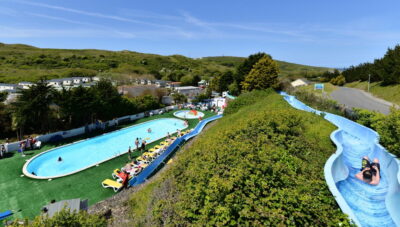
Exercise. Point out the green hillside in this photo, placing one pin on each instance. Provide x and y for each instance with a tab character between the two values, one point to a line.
260	165
286	68
27	63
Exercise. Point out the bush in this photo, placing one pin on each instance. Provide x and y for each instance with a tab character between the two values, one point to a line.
319	102
340	80
66	218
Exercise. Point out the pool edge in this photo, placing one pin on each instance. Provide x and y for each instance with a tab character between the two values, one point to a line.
26	173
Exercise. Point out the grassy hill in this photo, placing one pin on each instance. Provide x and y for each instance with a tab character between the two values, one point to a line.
286	68
260	165
20	62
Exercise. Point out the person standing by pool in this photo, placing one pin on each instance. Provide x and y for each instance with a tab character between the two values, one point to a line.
2	151
143	146
137	143
168	135
129	153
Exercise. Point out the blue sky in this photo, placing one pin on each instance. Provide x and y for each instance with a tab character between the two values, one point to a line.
315	32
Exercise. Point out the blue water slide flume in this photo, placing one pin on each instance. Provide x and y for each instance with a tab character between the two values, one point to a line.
153	167
365	204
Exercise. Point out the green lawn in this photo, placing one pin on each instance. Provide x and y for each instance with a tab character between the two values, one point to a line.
30	195
389	93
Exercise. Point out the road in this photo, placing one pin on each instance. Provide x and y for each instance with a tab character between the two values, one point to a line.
352	97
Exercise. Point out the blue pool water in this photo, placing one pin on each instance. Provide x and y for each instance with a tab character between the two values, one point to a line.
83	154
366	205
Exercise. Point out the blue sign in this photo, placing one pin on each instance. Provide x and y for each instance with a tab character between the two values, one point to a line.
319	86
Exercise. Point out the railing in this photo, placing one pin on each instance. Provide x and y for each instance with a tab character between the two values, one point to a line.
154	166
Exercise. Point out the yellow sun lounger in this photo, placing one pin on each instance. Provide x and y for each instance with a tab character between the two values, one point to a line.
152	149
157	146
107	183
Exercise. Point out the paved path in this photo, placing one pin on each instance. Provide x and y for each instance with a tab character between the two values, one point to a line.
353	97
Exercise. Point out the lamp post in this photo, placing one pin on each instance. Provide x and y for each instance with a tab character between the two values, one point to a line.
369	80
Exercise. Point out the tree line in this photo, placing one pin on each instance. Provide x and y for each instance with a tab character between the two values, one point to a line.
385	69
42	109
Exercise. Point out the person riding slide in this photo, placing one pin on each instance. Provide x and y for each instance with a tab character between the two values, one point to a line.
370	172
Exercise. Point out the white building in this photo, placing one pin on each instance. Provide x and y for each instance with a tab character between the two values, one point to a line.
298	83
6	87
25	85
189	91
160	83
202	83
56	83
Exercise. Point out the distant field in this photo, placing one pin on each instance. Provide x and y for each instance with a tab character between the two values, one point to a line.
389	93
27	63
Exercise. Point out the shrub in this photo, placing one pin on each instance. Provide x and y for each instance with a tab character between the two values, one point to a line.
66	218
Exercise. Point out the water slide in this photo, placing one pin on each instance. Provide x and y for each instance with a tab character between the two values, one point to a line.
230	96
366	205
154	166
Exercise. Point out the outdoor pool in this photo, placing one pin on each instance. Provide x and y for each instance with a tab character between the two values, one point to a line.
188	114
87	153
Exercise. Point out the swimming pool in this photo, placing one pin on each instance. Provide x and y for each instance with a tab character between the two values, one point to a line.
87	153
188	114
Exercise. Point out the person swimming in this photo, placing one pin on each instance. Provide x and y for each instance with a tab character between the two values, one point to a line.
59	159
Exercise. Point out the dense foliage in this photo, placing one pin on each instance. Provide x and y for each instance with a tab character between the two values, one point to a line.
388	127
261	165
263	75
41	109
386	69
251	74
66	218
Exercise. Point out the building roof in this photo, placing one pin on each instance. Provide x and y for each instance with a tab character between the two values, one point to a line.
299	82
8	85
56	80
187	88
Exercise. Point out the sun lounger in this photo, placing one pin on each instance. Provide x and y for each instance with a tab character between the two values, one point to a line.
157	147
152	149
5	214
164	143
116	186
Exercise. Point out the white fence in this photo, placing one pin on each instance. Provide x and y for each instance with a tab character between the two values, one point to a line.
91	127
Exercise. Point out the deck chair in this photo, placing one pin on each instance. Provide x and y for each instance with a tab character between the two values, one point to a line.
116	186
5	214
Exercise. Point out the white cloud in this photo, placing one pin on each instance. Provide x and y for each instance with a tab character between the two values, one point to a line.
8	32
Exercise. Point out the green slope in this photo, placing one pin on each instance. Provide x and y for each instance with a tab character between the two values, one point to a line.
20	62
260	165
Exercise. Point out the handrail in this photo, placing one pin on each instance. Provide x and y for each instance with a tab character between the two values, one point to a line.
152	168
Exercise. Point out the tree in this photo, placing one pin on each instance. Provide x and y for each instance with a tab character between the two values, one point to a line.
32	111
263	75
244	69
221	82
179	98
3	96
